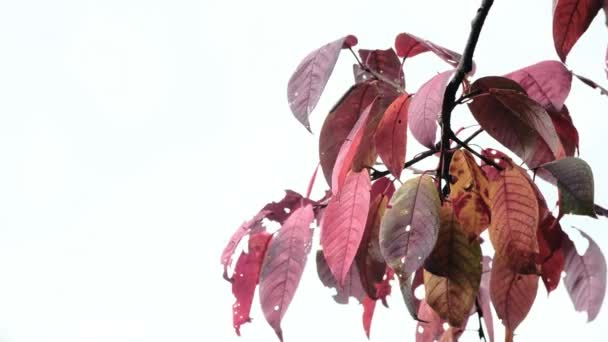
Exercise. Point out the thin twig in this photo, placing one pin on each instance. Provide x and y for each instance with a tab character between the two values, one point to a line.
409	163
482	335
479	155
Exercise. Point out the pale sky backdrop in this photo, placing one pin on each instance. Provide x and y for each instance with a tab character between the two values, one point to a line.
135	136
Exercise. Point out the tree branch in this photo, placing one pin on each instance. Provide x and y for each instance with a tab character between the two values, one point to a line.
449	98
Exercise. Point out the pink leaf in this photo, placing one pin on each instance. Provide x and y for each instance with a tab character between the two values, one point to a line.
340	121
348	151
547	83
308	81
430	326
352	286
408	45
283	265
512	294
571	18
369	306
585	277
391	135
425	109
247	272
344	223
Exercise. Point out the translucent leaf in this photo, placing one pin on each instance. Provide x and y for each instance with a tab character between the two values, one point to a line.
571	18
408	45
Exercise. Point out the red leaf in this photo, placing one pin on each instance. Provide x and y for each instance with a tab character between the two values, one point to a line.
384	62
585	277
391	135
284	264
408	45
425	109
571	18
279	211
352	286
228	252
369	259
340	122
512	294
308	81
311	183
369	306
344	223
568	134
551	254
247	272
347	152
547	83
516	121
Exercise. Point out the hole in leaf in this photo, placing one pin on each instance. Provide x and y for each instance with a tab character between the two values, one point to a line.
446	326
408	228
276	308
419	292
496	160
420	329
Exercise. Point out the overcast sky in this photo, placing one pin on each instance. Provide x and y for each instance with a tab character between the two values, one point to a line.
135	136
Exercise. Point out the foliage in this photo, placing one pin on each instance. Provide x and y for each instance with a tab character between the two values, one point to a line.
427	231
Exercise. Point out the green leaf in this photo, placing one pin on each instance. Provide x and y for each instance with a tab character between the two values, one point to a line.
575	183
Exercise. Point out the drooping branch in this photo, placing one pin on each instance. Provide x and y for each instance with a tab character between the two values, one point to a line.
449	98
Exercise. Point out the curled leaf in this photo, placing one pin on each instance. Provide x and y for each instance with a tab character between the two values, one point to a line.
308	81
384	62
585	277
408	45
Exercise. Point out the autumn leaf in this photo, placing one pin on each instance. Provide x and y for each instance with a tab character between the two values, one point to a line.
575	183
344	223
370	262
469	194
571	18
340	121
515	120
512	293
546	82
430	326
551	253
369	306
585	277
515	215
352	286
384	62
408	45
391	135
308	81
408	286
425	108
452	271
247	272
284	264
567	133
409	228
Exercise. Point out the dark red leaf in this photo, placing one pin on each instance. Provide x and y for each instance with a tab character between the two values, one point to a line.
515	120
369	306
551	254
280	211
547	83
512	294
340	122
568	134
344	223
352	286
425	109
369	259
391	135
284	264
308	81
408	45
592	84
246	276
571	18
228	252
585	277
384	62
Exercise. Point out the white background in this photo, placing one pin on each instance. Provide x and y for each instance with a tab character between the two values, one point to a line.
135	136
